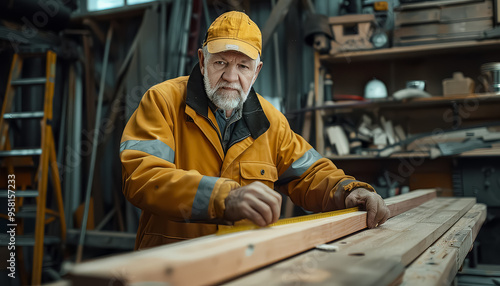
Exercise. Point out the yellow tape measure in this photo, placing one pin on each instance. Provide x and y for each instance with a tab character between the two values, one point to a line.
285	221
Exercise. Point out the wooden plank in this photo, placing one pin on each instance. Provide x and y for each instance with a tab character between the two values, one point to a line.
427	4
410	51
447	14
400	204
306	127
416	17
497	13
452	29
371	257
304	269
439	264
319	97
211	257
351	19
278	13
467	12
348	106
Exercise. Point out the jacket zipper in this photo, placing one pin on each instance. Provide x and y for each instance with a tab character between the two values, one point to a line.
239	140
214	127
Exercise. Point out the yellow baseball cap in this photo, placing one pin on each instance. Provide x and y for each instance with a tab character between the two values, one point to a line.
234	31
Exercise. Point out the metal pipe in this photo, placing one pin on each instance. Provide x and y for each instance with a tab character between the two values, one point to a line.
279	89
173	38
68	172
163	37
76	179
207	14
94	145
184	38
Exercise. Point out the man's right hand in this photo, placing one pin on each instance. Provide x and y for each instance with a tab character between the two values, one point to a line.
256	202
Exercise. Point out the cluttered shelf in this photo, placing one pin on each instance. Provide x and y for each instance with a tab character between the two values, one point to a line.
410	51
434	101
388	103
373	141
417	110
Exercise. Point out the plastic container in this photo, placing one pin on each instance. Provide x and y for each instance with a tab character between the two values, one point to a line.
491	73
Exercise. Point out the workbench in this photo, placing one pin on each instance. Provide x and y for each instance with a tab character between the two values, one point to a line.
424	243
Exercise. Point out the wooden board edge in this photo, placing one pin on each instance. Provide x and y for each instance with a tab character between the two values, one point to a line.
412	199
439	264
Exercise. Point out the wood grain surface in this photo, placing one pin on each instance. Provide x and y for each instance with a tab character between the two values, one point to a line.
213	259
371	257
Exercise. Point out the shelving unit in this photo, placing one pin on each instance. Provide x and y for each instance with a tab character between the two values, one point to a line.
394	66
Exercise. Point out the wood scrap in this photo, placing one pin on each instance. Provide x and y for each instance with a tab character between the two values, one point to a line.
306	128
211	257
319	98
338	139
94	27
352	32
277	15
389	130
399	131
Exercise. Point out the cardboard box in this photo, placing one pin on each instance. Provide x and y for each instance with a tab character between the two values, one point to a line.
438	32
352	32
445	14
458	85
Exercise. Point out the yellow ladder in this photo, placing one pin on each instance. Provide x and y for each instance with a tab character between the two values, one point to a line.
47	160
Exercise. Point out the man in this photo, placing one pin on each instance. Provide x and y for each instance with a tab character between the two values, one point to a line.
205	149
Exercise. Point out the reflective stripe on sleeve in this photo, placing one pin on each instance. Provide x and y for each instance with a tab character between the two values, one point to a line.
202	198
153	147
300	166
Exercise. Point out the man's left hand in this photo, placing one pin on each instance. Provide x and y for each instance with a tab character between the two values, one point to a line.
377	211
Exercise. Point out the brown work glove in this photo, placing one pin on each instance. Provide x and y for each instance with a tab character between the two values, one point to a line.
377	211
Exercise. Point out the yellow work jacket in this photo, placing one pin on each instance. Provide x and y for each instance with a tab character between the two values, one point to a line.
175	169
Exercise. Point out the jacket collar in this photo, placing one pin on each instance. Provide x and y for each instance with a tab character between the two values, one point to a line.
253	114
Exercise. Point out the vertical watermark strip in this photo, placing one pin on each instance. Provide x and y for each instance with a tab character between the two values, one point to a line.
11	225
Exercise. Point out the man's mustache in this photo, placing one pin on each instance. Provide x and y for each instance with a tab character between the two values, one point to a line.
229	85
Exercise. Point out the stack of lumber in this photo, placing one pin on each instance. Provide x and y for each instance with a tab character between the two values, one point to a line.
442	229
371	257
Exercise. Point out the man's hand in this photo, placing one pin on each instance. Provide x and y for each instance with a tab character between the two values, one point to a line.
377	211
256	202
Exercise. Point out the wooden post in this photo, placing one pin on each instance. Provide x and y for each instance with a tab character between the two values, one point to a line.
318	91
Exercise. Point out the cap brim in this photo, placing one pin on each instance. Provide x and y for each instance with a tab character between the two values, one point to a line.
222	45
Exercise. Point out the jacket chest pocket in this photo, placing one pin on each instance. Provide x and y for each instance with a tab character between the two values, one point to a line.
258	171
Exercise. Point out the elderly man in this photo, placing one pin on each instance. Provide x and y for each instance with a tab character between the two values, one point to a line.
205	150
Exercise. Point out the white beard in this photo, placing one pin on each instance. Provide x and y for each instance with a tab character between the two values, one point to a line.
225	99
